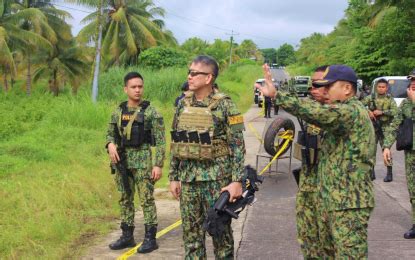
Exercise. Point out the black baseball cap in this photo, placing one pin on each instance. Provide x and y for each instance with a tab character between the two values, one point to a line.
411	75
335	73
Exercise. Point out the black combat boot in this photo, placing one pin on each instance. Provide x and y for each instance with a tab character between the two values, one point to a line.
149	243
126	239
372	174
389	176
410	234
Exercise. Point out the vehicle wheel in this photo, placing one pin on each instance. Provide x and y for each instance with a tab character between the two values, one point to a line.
271	140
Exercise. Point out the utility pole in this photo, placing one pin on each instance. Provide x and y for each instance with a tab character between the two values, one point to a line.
230	51
97	54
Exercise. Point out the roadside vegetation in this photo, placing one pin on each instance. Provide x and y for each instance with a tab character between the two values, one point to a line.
375	39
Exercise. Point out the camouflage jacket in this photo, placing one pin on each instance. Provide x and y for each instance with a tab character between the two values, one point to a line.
386	104
347	151
231	166
141	158
405	110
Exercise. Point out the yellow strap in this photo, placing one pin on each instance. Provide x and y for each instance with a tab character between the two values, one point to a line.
127	130
288	136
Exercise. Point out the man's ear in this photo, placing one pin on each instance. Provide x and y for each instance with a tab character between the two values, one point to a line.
125	89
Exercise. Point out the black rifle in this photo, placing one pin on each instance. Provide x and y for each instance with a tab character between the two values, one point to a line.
375	122
223	211
121	167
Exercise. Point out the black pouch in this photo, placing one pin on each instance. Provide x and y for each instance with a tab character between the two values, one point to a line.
183	136
205	138
193	137
404	137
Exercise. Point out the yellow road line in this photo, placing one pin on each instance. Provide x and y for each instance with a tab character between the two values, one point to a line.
255	132
161	233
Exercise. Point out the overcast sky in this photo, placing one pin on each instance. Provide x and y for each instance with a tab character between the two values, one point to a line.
269	23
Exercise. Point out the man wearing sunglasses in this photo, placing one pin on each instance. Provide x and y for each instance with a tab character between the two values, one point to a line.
207	157
345	190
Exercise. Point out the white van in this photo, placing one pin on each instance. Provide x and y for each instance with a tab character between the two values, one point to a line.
397	87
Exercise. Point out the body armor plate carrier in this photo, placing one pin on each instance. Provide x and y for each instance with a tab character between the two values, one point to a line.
193	138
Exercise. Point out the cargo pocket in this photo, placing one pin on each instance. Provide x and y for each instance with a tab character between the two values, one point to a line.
174	149
206	152
183	150
194	151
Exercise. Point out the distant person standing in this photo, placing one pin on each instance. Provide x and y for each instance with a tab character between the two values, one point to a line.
267	106
382	109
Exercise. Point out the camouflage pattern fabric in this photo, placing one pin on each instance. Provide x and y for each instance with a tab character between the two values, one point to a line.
145	190
388	106
384	103
141	158
203	180
140	164
346	158
405	111
410	179
307	216
195	200
221	167
343	233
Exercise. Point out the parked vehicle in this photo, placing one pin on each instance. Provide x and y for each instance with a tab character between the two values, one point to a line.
397	87
258	97
301	84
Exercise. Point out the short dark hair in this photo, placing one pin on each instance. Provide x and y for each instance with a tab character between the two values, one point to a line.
321	68
132	75
209	61
382	81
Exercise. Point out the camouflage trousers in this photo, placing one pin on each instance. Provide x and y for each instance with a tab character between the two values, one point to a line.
410	179
343	233
307	224
145	189
195	200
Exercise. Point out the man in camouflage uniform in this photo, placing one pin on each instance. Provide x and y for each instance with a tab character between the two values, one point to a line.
347	155
135	126
406	110
198	176
307	195
382	109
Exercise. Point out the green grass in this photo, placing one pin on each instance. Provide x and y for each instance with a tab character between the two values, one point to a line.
57	192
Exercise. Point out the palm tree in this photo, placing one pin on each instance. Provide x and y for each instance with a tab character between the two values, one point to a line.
52	29
14	37
129	27
67	63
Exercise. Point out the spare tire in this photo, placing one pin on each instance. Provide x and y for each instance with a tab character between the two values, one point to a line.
271	141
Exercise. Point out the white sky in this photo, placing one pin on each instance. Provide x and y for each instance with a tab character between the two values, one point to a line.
269	23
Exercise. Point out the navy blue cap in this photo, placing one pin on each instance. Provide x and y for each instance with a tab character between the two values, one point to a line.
335	73
411	75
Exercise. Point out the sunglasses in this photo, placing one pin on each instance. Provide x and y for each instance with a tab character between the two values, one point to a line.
194	73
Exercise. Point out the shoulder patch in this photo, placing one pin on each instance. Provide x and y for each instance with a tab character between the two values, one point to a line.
238	119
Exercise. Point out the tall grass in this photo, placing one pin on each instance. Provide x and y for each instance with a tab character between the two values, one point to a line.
56	189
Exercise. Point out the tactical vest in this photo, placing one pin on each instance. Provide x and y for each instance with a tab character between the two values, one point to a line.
194	137
132	128
314	142
384	103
